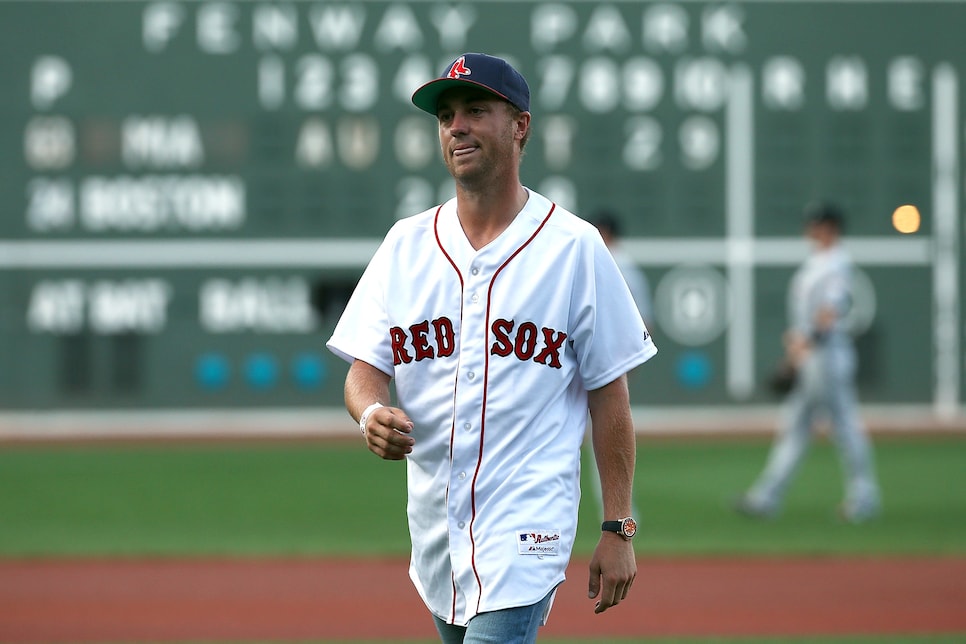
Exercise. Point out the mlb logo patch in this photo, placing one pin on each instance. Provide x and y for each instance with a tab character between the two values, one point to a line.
538	542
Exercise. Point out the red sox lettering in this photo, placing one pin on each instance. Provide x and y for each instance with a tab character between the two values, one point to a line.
420	343
524	344
418	339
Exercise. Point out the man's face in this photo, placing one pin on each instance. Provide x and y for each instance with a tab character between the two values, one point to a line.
822	234
478	134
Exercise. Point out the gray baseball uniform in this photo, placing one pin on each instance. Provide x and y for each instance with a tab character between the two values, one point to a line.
826	383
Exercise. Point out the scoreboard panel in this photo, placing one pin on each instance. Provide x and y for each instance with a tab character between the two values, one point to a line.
191	188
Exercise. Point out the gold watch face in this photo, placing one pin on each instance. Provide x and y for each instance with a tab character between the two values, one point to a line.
629	527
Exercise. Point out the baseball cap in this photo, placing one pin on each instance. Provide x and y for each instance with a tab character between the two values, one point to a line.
490	73
824	212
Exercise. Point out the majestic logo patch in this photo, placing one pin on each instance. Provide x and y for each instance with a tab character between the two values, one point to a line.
538	542
459	68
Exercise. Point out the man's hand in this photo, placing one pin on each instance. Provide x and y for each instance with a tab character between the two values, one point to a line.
797	347
387	433
612	571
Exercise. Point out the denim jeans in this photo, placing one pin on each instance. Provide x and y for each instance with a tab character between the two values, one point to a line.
508	626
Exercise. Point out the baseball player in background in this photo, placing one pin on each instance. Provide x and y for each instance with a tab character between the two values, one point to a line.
820	349
611	231
500	318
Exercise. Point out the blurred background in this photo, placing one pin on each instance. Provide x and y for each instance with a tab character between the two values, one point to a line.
191	189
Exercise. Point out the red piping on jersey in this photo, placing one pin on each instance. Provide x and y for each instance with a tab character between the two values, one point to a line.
452	429
486	379
439	243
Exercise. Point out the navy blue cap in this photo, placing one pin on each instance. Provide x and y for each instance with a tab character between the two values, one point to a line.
490	73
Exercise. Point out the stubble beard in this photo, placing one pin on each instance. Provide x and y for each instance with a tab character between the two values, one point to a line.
493	158
485	171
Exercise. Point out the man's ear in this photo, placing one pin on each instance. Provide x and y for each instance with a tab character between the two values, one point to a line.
523	124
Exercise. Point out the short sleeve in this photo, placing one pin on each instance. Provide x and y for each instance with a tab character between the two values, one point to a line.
362	332
609	336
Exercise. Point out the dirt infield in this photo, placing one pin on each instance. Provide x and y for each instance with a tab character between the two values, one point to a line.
323	599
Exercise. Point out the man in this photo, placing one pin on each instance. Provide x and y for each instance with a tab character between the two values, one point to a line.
820	350
501	319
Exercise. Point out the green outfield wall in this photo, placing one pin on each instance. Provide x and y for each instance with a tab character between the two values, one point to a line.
189	190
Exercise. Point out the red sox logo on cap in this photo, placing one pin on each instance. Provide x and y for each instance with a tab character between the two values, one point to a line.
459	68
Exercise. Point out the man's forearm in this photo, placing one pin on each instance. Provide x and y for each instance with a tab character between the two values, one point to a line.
365	385
615	447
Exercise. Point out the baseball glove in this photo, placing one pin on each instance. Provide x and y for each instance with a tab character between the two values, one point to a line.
782	378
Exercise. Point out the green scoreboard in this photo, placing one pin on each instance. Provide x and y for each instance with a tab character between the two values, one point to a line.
189	190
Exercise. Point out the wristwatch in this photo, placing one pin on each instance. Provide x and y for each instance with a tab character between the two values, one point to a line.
626	527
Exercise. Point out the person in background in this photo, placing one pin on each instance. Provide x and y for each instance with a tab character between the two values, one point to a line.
609	226
820	350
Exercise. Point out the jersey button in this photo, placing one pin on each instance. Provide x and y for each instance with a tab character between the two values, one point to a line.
461	476
461	525
471	375
467	426
475	297
475	271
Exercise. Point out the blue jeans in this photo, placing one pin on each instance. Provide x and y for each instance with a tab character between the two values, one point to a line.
508	626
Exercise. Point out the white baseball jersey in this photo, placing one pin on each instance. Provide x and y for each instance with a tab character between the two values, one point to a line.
822	281
492	353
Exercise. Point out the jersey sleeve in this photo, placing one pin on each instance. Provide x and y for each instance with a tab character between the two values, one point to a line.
362	332
837	292
608	333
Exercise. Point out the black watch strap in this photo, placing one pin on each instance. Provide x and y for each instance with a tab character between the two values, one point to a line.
626	527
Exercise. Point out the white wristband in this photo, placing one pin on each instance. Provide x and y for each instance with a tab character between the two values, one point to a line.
364	418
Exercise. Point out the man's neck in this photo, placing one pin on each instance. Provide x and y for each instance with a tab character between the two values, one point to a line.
484	215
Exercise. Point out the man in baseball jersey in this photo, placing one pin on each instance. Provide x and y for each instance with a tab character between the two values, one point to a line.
820	349
500	318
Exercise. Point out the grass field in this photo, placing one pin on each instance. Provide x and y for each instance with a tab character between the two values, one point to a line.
309	499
